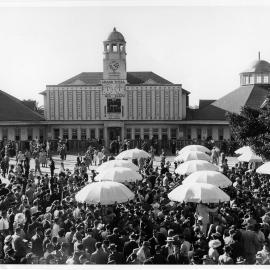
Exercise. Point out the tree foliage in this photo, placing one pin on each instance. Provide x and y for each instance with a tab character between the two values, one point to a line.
252	127
33	105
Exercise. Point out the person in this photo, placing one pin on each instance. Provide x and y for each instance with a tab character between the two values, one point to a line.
130	245
99	256
37	166
226	258
143	252
52	166
89	242
115	256
19	245
37	242
213	252
263	256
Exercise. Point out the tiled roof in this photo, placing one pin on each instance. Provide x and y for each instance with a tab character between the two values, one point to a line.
12	109
93	78
248	95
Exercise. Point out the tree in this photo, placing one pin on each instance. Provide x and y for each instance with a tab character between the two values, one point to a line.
33	105
252	127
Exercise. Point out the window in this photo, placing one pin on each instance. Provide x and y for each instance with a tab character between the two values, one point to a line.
114	105
121	48
74	134
41	134
199	133
17	134
164	134
5	133
114	47
209	134
246	79
189	133
107	47
92	133
155	133
83	134
101	136
29	134
137	133
259	79
65	133
220	134
252	79
173	133
146	133
265	79
56	133
128	133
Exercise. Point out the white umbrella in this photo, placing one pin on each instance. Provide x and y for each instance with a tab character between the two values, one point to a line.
192	166
5	181
264	169
133	154
243	150
198	193
194	147
209	177
192	155
105	193
249	157
117	163
119	174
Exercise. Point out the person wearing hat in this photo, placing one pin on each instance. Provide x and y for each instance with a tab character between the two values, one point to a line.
168	249
130	245
99	256
250	244
263	256
115	256
143	252
89	241
226	258
212	252
37	242
7	243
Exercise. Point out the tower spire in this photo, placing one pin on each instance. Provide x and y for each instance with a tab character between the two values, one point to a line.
259	55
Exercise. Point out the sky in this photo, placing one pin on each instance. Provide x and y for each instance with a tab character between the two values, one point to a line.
204	48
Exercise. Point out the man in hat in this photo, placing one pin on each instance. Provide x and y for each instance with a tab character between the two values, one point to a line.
130	245
37	242
4	224
168	249
99	256
89	242
116	256
143	252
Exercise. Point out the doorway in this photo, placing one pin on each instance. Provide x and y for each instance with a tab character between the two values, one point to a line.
114	133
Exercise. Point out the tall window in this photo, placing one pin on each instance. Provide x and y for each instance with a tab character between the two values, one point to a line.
252	79
137	133
114	47
209	134
265	79
259	79
220	134
17	134
56	133
41	134
5	133
92	133
83	134
199	133
114	105
164	134
155	133
74	134
128	133
173	133
189	133
65	133
29	134
101	136
146	133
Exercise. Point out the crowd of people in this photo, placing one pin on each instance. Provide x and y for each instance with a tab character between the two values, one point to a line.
42	223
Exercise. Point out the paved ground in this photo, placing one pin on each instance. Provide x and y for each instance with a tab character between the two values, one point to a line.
71	160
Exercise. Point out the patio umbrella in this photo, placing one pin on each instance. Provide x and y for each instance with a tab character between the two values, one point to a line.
192	155
198	193
243	150
249	157
119	174
105	193
264	169
117	163
209	177
192	166
133	154
194	147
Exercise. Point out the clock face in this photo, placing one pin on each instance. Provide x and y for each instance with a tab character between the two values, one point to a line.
114	65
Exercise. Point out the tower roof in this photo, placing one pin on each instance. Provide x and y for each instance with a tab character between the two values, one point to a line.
258	66
116	36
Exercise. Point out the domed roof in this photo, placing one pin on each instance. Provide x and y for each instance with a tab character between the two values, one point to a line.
116	36
258	66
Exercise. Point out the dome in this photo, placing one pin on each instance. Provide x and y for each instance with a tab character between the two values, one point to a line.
116	36
258	66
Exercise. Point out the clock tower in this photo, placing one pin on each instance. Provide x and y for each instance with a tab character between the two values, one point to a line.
114	61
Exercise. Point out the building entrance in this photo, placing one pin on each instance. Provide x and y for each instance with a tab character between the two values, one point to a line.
114	133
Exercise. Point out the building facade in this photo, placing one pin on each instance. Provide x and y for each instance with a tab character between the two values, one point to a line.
115	103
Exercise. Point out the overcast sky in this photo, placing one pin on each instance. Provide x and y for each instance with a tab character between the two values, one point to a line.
203	48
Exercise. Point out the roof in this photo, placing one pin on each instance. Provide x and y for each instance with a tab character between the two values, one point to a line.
258	66
12	109
247	95
116	36
94	78
205	102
